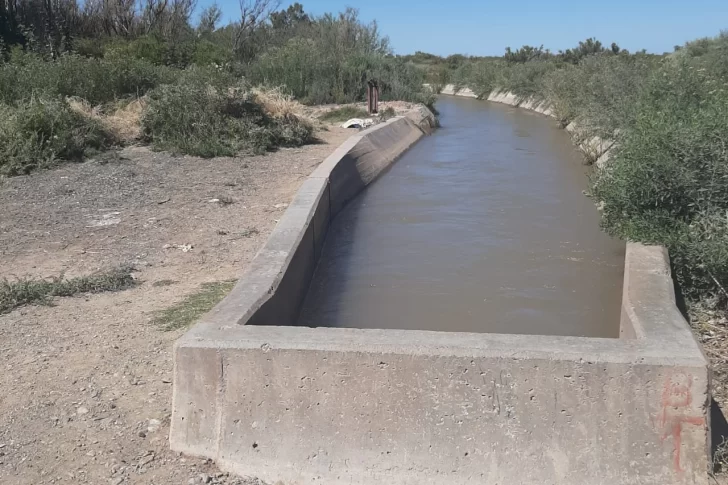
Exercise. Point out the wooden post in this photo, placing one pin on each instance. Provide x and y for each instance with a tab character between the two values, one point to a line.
372	97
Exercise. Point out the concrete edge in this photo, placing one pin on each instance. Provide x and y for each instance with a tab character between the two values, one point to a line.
269	266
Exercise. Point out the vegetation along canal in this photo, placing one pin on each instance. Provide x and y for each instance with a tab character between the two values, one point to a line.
482	227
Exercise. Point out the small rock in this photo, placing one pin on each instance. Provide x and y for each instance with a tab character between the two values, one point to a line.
82	410
153	425
117	481
191	481
142	434
204	478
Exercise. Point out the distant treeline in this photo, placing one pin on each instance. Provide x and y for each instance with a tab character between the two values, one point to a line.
318	59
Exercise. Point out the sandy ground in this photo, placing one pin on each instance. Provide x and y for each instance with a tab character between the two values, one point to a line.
86	384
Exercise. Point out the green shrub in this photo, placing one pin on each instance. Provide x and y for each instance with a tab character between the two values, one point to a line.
344	113
155	50
41	131
207	53
200	119
527	80
601	93
331	60
95	80
668	182
483	77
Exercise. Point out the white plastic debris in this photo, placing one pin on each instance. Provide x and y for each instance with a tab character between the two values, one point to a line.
358	123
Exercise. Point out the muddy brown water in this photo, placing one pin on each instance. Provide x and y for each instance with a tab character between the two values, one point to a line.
481	227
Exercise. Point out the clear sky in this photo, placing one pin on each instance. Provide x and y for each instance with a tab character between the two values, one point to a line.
486	27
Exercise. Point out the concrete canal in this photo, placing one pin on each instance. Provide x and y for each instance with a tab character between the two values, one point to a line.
482	227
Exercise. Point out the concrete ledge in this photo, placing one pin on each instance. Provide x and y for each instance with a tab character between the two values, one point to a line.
348	406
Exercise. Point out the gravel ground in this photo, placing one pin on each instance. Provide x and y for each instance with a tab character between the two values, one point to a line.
86	383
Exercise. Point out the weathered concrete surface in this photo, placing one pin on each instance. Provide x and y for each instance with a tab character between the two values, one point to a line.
463	92
347	406
369	406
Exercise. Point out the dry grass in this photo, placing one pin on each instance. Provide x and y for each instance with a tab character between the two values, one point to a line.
277	103
122	121
711	326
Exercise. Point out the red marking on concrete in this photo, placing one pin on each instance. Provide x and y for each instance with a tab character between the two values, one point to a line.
676	397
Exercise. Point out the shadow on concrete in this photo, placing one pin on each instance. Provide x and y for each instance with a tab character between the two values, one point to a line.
718	433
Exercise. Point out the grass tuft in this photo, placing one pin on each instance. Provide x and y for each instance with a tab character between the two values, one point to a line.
194	306
29	291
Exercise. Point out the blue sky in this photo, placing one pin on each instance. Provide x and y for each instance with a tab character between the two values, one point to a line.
487	27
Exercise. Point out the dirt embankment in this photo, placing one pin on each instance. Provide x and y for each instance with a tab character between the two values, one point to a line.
86	383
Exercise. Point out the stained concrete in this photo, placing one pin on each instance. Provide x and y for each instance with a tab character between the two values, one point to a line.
348	406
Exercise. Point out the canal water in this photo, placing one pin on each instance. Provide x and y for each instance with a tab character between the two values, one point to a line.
481	227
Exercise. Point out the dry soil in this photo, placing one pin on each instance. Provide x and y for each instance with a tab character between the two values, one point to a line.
86	383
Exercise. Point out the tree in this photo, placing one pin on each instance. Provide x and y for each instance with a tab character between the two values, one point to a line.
525	54
289	18
209	19
253	16
590	46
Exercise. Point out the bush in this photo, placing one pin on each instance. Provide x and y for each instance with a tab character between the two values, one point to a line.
204	120
41	131
155	50
527	80
95	80
601	93
331	60
343	114
483	77
668	182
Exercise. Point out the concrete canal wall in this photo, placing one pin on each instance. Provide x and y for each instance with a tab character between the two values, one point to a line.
346	406
595	149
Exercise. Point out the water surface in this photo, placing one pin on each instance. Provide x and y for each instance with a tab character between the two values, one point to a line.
481	227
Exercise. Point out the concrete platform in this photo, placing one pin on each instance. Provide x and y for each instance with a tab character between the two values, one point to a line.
344	406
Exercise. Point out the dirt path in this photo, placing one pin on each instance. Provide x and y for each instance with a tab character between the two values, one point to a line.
86	384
